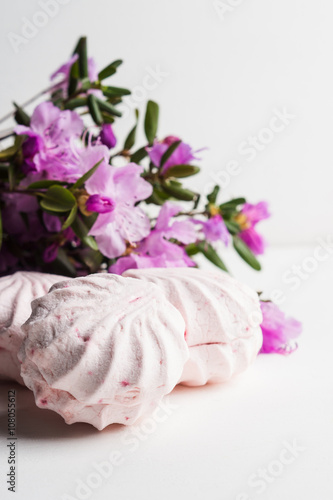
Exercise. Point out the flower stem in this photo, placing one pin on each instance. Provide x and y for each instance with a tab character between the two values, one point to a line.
31	100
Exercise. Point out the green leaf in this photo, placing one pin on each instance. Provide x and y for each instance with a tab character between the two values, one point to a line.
70	218
21	116
139	155
63	260
91	259
1	230
173	182
208	251
78	102
232	204
81	231
58	199
243	250
81	50
86	176
73	78
10	152
192	249
11	177
89	241
86	84
115	91
108	108
213	195
151	121
178	192
232	227
181	171
158	197
109	70
75	51
107	118
89	220
130	139
94	109
171	149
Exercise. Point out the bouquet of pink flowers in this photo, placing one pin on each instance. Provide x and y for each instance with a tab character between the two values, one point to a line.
74	202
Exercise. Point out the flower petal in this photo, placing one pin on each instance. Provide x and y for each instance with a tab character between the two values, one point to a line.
278	331
256	213
110	242
167	211
129	185
183	231
254	240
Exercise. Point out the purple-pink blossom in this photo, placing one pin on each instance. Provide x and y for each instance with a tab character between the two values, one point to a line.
53	225
107	136
279	332
25	228
248	219
156	250
114	192
49	149
183	154
214	229
65	69
68	235
100	204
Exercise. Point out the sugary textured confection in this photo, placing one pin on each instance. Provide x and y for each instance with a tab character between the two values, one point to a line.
16	293
103	349
222	318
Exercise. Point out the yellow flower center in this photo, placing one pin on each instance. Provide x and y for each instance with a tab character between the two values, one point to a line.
242	221
129	248
213	210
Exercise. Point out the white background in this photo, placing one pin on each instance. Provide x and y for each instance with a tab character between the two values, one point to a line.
227	72
225	79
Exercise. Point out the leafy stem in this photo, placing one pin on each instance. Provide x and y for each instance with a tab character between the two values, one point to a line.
31	100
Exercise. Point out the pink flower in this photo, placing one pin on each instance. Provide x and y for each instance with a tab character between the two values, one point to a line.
65	70
256	213
114	192
248	219
278	331
52	223
183	154
100	204
156	250
51	252
49	149
25	228
214	229
107	136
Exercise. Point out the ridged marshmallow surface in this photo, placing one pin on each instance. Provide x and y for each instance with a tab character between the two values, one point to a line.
103	349
222	318
16	293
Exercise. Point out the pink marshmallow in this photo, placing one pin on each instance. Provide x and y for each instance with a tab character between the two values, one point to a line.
16	293
103	349
222	318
